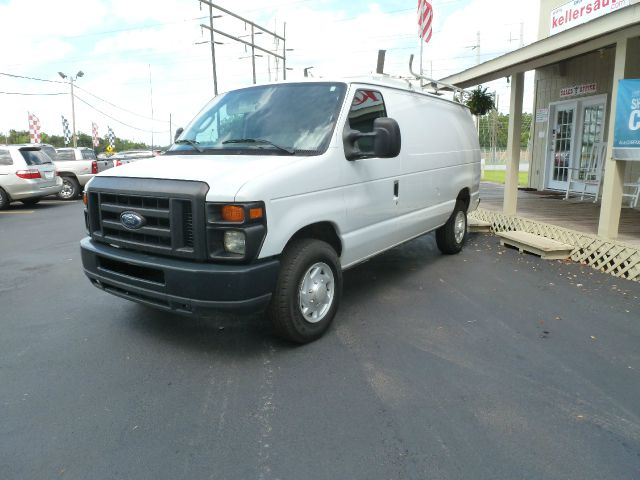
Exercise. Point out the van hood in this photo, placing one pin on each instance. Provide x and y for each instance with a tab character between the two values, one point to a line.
225	174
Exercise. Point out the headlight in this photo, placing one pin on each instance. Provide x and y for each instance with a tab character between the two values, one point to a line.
235	232
235	242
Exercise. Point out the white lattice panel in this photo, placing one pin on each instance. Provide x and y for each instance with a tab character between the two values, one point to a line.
608	256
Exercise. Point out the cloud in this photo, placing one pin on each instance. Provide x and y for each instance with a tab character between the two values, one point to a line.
115	41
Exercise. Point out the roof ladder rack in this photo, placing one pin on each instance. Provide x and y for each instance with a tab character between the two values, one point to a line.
438	85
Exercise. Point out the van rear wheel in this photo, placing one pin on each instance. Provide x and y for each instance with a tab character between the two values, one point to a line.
307	292
451	236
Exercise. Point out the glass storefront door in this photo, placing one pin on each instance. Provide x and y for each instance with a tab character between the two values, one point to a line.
562	145
577	127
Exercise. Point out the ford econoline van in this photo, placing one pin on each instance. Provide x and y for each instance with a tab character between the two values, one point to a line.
273	190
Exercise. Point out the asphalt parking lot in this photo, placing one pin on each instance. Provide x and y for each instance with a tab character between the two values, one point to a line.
485	365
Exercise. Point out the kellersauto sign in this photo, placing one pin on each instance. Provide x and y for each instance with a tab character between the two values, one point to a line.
577	12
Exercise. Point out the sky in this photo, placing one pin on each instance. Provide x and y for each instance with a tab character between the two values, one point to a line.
143	60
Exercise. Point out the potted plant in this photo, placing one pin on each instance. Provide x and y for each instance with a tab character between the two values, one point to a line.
480	102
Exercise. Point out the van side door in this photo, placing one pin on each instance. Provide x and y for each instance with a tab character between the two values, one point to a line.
371	184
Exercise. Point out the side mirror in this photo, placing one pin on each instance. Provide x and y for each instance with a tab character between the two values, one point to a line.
386	140
178	133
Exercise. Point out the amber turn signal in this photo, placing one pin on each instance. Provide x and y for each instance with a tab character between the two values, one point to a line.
84	197
255	213
232	213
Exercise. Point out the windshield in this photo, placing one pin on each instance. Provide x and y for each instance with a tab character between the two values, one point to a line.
296	119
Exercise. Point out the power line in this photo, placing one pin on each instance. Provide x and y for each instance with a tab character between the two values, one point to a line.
30	78
116	106
23	93
118	121
139	27
84	90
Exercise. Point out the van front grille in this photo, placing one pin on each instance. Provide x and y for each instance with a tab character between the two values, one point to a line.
166	222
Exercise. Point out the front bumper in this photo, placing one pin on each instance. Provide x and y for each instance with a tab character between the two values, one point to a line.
178	285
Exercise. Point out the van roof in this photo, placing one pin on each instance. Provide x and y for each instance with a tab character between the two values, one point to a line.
398	83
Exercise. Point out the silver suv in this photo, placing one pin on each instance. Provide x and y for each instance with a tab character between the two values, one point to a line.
26	174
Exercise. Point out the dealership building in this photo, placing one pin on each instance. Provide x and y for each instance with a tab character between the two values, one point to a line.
584	48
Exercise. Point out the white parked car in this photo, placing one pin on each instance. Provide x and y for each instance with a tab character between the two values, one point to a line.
26	174
273	190
76	166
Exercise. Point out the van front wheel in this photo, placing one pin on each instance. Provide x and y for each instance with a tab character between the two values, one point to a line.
451	236
307	292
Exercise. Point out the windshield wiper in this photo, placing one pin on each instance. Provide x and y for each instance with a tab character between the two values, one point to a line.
188	141
261	141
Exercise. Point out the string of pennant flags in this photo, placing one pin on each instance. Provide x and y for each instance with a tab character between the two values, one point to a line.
35	132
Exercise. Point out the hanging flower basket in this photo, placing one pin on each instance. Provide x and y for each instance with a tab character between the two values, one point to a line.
480	102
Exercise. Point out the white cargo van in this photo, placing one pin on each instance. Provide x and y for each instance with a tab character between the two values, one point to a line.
273	190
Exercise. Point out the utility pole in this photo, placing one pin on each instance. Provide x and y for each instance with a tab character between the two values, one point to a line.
284	51
151	96
521	34
476	47
213	52
520	39
73	105
170	131
252	43
253	53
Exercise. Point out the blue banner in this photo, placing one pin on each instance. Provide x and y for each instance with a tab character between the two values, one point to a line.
626	136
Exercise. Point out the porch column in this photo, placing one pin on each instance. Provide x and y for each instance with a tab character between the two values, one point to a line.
613	181
513	145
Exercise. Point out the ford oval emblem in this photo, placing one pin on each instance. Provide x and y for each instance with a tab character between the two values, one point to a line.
132	220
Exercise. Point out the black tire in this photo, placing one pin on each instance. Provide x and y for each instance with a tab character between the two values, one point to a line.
448	242
4	200
30	201
70	189
301	261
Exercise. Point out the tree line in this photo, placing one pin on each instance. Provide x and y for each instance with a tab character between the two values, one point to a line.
494	127
84	140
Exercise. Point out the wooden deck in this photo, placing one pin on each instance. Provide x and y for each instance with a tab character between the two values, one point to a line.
550	207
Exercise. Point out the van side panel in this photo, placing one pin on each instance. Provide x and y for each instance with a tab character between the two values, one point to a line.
440	156
305	192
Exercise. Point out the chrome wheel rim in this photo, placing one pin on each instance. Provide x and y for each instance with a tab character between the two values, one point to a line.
316	293
459	226
67	189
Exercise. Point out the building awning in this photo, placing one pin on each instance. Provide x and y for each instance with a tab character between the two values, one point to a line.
599	33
